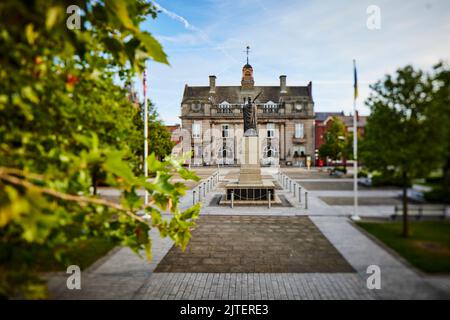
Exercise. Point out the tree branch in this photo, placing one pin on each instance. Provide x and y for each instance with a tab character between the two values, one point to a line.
64	196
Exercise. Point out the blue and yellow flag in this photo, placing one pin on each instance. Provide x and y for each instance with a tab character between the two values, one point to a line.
355	84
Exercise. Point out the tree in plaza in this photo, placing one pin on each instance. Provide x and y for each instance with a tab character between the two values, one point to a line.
439	113
63	119
334	146
400	136
159	138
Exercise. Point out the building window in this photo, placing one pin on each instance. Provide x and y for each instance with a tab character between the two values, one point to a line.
270	130
299	130
224	107
199	151
270	107
225	155
270	152
225	131
196	129
299	151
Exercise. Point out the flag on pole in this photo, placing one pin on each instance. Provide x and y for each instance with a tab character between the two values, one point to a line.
355	85
355	146
144	82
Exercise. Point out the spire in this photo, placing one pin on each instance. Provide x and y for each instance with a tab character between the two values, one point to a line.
247	81
247	50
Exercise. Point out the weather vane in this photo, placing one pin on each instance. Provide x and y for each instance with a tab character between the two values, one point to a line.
247	50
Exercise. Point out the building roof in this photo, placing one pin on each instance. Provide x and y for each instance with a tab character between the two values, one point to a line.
322	116
232	93
348	120
173	127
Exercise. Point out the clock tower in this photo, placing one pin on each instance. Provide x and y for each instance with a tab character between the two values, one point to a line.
247	82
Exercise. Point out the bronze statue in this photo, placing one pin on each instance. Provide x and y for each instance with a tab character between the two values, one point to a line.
249	114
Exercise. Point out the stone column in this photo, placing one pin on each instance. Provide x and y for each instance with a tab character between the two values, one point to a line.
213	144
282	142
235	143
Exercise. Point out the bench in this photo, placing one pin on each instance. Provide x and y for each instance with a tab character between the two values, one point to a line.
422	210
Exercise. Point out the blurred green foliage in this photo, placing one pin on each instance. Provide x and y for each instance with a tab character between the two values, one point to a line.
63	121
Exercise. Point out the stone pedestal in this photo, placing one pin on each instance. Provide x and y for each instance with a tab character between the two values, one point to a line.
250	189
250	172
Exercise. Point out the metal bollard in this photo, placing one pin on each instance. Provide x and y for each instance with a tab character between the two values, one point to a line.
270	199
294	189
204	189
232	199
306	199
199	193
299	194
193	197
290	185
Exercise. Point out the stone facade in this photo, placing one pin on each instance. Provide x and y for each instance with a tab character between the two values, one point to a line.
212	122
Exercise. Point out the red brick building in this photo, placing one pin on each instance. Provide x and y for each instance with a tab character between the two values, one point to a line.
320	126
324	119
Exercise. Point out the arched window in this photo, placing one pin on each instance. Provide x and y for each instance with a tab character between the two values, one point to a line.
225	155
270	152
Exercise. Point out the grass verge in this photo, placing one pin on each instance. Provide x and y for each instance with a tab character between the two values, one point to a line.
427	248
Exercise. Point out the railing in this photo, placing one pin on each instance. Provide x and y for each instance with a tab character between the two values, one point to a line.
229	108
224	110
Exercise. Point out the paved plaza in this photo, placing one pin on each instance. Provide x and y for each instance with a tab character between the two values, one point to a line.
260	253
228	244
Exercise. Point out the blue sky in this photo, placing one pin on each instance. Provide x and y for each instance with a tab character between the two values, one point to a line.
305	40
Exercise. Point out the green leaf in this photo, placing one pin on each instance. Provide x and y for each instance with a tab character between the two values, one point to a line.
120	10
192	212
153	47
154	164
188	175
30	33
54	14
148	250
29	93
115	165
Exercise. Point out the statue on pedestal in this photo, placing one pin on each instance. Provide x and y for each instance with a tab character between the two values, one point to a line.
250	118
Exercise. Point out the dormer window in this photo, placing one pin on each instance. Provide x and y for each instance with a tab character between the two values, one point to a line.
224	107
270	107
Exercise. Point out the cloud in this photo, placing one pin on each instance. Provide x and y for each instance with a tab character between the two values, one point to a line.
175	16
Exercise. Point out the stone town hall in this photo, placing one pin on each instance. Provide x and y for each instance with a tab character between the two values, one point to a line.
213	126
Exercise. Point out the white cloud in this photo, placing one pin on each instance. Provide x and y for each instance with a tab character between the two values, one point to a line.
174	16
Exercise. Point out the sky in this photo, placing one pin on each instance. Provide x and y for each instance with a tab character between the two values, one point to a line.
306	40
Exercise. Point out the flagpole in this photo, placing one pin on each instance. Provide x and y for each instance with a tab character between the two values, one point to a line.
355	149
145	132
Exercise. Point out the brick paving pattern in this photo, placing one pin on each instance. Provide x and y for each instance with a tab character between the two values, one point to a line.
255	286
271	244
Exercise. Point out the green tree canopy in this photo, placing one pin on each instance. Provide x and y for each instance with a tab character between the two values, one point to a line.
335	137
439	114
159	138
400	136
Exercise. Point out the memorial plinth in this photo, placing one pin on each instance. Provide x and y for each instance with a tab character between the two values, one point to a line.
250	188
